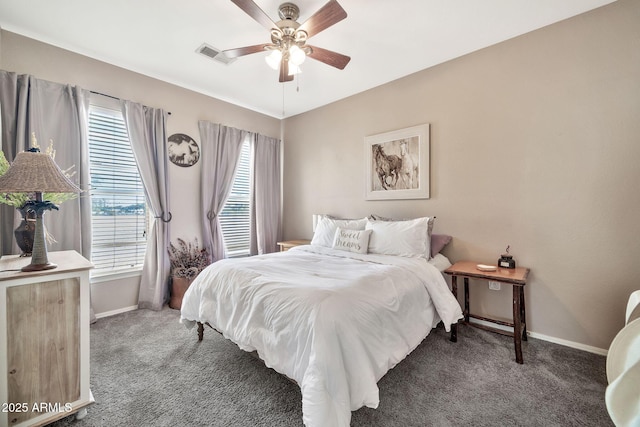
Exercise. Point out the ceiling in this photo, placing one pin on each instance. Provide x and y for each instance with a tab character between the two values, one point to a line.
385	41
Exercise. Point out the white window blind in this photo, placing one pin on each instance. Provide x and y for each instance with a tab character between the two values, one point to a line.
236	215
119	211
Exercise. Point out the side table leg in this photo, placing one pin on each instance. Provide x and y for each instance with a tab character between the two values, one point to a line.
517	323
466	299
524	314
454	291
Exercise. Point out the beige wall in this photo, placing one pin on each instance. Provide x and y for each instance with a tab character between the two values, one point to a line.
535	143
27	56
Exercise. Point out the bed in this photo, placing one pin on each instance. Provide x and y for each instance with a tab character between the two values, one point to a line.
333	320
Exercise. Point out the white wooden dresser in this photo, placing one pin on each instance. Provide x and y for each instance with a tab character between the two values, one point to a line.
44	340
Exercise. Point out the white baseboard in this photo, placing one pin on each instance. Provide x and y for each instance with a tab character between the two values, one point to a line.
114	312
544	337
567	343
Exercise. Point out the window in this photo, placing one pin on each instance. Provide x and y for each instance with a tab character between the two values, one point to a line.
236	215
119	212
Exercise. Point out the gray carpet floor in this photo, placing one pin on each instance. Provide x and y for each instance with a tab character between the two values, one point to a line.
149	370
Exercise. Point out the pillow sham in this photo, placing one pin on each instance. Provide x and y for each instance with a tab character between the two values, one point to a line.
352	240
408	238
430	220
438	242
327	226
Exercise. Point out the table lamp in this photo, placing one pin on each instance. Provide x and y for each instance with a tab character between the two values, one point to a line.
35	172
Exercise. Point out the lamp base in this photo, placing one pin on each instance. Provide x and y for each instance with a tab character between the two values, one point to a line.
39	267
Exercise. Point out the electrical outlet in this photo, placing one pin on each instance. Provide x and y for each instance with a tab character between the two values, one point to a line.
494	286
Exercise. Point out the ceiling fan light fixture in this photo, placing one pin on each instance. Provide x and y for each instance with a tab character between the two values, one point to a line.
289	38
296	55
274	58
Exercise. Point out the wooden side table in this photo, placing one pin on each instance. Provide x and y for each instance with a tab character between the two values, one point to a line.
516	277
288	244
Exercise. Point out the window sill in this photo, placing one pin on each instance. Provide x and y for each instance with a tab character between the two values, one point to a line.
111	275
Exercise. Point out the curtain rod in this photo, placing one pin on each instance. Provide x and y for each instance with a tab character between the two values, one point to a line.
114	97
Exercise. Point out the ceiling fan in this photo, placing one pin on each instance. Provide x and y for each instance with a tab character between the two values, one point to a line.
288	45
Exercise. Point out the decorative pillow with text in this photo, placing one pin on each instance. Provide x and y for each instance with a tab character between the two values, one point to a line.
351	240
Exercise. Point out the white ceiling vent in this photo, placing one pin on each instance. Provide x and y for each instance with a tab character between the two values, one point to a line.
214	54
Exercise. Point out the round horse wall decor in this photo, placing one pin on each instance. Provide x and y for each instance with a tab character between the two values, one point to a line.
183	150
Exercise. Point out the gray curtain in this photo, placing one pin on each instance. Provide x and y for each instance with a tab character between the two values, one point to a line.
221	149
147	132
58	113
14	95
266	195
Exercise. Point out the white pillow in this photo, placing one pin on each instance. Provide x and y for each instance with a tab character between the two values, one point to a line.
352	240
408	238
327	226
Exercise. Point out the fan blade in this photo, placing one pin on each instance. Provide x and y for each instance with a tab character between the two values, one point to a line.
247	50
329	57
254	11
331	13
284	71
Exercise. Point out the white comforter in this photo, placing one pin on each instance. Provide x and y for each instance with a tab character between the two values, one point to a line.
333	321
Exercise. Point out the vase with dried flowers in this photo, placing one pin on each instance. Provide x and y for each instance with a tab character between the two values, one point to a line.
187	261
23	202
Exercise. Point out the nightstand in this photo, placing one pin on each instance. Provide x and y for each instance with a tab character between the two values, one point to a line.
288	244
44	340
516	277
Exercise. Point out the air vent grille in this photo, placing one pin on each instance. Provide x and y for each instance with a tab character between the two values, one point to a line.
213	53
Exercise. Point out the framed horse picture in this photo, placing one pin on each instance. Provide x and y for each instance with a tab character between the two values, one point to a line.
397	164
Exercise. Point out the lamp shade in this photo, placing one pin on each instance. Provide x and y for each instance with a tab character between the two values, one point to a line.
294	69
296	55
35	172
273	59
